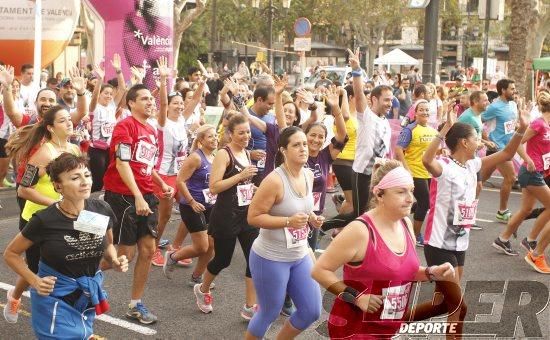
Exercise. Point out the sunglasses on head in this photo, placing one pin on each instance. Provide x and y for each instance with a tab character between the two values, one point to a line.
173	94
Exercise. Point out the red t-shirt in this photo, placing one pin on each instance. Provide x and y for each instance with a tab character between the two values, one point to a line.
142	140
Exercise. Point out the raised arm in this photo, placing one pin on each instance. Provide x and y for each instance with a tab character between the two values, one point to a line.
332	99
121	88
79	84
100	72
428	160
163	95
6	79
195	100
280	85
357	74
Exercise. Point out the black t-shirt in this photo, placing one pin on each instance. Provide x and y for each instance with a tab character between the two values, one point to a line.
68	251
215	86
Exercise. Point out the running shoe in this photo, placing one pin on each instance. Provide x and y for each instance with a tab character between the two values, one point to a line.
204	300
538	263
504	216
505	247
158	259
476	227
338	199
528	245
247	313
11	308
169	265
141	314
194	280
186	263
420	240
6	183
164	243
288	307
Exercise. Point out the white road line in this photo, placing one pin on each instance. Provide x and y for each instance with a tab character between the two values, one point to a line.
103	317
497	190
484	220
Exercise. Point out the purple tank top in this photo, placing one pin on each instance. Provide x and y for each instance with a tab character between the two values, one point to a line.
199	180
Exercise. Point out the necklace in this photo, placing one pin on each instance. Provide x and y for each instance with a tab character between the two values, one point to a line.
457	162
293	181
65	211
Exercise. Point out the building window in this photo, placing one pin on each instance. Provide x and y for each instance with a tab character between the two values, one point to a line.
472	6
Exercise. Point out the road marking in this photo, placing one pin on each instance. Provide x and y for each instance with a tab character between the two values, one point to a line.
484	220
103	317
495	190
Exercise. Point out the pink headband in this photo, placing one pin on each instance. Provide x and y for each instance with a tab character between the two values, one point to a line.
398	177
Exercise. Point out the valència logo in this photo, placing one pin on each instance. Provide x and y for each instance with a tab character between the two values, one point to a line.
152	40
428	328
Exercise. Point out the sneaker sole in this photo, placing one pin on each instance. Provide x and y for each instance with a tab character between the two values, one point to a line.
154	264
6	318
532	264
205	312
133	317
499	248
246	317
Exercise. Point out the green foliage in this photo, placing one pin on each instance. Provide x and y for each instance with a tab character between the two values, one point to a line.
192	44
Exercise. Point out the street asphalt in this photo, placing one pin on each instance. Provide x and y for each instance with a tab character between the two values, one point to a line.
506	281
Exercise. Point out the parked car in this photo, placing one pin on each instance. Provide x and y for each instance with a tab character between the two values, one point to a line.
334	73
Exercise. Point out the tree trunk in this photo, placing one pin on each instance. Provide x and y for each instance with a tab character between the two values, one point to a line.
521	27
183	21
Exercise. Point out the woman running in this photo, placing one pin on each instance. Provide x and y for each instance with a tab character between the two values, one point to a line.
103	120
196	204
453	208
533	188
411	145
231	180
379	262
280	259
52	133
68	280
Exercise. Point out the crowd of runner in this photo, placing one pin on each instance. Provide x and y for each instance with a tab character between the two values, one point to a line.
261	176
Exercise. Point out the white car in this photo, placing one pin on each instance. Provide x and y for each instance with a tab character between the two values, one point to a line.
334	73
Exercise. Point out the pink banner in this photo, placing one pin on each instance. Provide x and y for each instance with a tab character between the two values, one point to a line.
140	31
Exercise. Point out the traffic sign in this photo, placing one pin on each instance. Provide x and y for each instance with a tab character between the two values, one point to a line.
302	27
302	44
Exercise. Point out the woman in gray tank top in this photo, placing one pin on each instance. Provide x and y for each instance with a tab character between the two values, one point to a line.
280	258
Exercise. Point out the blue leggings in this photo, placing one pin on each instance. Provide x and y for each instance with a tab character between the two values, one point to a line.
272	279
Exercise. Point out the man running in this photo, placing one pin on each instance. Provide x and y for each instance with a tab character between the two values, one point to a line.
129	191
504	116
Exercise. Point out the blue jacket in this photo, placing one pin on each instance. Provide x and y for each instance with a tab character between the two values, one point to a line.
53	318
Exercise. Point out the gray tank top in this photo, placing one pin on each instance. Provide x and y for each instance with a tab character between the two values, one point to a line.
286	244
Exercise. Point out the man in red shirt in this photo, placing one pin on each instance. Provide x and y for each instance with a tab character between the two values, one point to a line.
129	191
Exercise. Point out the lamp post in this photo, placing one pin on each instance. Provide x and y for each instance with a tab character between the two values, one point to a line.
271	15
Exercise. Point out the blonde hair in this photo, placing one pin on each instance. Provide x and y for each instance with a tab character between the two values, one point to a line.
543	101
201	132
378	172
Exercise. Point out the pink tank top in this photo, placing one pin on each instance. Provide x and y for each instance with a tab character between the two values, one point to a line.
382	272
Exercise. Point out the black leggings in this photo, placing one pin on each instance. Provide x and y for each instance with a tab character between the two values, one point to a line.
422	195
99	161
224	248
360	186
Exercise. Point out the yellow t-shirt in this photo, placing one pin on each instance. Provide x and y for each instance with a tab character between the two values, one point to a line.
415	139
348	153
45	186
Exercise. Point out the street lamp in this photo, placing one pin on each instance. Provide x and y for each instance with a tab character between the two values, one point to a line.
272	9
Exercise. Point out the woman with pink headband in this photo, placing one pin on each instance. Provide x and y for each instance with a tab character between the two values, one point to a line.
453	208
378	256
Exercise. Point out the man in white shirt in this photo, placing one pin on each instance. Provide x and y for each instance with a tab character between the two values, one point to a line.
28	89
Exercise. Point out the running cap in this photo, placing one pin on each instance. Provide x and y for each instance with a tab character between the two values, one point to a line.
398	177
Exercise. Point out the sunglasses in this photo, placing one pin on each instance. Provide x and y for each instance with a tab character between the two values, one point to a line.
173	94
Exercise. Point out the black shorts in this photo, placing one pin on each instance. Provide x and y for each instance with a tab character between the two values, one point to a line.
3	153
32	254
343	175
195	222
436	256
130	227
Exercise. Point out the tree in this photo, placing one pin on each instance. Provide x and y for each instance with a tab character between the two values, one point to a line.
530	25
183	20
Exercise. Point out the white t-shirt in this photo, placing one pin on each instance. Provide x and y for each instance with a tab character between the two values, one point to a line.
103	123
434	105
373	141
173	147
28	94
6	126
453	205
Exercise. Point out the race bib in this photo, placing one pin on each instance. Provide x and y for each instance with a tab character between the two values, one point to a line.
208	197
296	237
145	153
91	222
106	130
395	302
316	201
465	214
261	164
245	193
509	127
546	161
